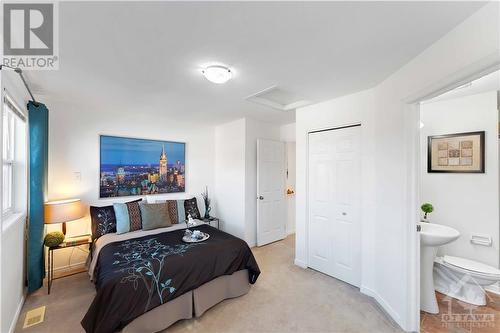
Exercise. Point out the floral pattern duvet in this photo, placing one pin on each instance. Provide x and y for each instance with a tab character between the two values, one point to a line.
136	275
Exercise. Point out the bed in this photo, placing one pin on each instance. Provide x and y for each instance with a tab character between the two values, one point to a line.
147	280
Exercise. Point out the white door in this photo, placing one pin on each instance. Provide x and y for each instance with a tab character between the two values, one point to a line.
334	203
271	209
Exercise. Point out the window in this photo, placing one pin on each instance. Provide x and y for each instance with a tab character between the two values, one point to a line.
13	158
8	158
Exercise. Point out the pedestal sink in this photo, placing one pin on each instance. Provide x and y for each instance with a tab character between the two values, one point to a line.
431	236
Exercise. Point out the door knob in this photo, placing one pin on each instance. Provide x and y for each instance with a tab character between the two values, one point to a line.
261	197
344	213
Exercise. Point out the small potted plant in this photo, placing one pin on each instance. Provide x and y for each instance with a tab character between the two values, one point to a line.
52	239
427	208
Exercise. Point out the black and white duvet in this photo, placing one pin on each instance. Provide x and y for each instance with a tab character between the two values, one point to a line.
135	275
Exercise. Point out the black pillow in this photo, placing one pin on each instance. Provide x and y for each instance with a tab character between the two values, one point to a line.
191	208
103	220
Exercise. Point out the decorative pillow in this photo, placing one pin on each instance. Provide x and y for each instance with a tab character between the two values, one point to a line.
155	216
103	220
191	208
160	201
181	215
128	217
172	211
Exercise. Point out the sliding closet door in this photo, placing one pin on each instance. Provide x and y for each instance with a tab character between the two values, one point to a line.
334	203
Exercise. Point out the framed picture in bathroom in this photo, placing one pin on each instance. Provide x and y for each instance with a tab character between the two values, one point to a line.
459	152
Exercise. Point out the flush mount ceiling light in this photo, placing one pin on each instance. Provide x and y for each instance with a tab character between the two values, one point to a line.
217	74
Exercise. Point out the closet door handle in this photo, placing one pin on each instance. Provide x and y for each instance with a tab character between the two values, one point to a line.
261	197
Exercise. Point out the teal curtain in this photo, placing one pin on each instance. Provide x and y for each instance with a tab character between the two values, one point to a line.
38	162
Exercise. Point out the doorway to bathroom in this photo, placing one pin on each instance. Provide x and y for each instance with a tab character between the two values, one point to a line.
459	185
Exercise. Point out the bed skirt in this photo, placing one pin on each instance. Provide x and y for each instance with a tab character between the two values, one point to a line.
217	290
194	302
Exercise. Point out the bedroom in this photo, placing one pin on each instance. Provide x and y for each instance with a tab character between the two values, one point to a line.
129	110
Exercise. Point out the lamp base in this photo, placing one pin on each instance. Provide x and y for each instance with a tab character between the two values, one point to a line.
64	229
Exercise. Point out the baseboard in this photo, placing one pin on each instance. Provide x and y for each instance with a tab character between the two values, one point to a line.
382	302
300	263
494	288
290	232
13	324
68	267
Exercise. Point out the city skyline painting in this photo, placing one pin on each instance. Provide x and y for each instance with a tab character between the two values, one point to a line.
130	166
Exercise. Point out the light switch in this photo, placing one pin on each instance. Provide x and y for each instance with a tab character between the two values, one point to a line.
78	176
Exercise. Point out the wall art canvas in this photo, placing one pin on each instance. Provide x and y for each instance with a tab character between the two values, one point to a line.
131	166
460	152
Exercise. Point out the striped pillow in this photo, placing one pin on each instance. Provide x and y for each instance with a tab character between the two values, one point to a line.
176	211
172	211
128	217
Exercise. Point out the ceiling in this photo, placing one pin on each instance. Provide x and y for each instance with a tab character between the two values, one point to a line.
145	57
490	82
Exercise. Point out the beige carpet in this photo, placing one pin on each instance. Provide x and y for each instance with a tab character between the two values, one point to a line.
286	298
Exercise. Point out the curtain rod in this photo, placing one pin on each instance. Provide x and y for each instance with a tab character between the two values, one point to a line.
20	72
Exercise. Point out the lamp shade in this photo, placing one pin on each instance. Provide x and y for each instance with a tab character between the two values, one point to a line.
63	211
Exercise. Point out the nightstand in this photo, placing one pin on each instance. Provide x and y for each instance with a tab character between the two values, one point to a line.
212	221
69	242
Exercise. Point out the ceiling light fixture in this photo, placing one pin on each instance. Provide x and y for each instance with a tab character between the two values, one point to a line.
217	74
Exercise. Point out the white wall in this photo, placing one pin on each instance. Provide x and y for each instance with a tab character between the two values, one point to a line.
74	147
470	47
254	130
466	202
236	174
1	224
230	176
287	133
12	250
472	44
226	152
290	184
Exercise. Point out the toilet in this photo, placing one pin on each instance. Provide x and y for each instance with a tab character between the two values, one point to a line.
464	279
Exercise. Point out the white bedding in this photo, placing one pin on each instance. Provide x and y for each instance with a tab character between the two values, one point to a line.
113	237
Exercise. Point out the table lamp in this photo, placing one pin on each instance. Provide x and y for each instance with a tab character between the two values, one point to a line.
63	211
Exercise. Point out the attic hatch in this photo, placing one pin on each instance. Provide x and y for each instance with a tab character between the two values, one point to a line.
279	99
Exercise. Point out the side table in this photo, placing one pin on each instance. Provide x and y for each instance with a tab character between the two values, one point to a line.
65	244
211	221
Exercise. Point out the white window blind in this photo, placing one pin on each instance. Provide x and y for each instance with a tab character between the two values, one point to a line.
13	156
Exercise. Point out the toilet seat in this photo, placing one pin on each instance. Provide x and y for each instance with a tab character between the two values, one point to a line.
471	267
464	279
